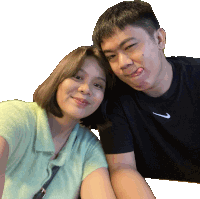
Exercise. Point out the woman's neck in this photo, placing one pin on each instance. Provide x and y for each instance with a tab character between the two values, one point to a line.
60	127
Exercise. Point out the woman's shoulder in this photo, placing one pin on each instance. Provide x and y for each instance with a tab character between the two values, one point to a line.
14	107
17	123
12	103
86	135
21	111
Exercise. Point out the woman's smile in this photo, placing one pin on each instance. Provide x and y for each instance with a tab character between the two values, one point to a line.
81	103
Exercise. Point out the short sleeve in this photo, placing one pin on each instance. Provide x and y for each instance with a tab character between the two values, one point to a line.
94	159
13	120
118	137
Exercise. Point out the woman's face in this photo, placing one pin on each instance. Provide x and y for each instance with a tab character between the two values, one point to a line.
81	95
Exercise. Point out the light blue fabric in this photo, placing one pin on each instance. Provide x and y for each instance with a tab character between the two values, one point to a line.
25	127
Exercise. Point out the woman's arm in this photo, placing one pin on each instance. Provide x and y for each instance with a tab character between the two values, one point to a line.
4	152
97	185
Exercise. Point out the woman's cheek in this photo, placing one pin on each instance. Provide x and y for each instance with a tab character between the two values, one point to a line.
99	98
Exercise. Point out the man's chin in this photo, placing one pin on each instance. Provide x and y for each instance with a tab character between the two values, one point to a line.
141	87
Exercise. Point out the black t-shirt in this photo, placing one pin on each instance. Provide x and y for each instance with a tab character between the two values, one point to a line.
163	132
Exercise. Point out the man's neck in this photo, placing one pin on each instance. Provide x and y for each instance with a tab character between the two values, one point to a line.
164	81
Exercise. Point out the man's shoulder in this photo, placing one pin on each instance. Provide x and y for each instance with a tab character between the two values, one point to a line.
188	65
120	88
183	60
122	97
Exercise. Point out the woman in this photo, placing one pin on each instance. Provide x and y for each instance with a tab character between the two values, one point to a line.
36	136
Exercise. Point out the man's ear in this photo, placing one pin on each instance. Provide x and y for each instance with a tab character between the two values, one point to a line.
160	37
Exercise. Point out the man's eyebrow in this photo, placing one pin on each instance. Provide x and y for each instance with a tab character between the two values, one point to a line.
96	77
120	45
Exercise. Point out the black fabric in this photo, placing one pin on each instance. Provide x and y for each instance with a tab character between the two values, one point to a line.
40	193
165	148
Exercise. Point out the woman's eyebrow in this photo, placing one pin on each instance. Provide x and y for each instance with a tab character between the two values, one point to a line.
96	77
102	79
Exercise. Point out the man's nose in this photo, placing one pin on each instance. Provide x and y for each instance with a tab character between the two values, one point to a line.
124	61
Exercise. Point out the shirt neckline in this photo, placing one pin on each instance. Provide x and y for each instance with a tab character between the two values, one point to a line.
168	94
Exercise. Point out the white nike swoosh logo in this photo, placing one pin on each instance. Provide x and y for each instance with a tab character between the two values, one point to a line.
165	116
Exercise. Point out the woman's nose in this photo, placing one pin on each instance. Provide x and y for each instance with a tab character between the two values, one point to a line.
85	89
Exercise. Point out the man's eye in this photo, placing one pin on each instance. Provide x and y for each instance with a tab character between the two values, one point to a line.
129	46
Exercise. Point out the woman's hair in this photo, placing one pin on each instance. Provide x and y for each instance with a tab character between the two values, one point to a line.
45	94
135	13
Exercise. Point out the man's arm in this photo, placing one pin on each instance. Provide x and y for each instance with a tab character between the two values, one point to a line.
126	181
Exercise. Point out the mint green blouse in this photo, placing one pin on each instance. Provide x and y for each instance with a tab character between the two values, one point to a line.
25	127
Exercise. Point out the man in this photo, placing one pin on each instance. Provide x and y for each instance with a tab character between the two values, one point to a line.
154	107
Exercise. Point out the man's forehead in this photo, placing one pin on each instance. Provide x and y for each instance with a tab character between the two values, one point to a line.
119	37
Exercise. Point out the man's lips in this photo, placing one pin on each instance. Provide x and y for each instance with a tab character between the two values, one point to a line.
135	73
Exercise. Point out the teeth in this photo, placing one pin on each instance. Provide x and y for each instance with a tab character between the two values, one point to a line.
83	102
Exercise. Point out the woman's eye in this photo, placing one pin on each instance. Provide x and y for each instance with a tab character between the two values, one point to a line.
78	77
110	57
98	86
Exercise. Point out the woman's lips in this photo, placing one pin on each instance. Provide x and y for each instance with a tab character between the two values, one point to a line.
82	103
81	100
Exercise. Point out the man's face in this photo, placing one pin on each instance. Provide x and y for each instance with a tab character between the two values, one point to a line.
134	57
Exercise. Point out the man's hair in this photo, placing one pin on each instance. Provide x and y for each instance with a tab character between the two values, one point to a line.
45	94
135	13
